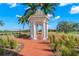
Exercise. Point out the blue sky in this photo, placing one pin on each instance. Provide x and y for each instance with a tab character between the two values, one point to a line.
10	11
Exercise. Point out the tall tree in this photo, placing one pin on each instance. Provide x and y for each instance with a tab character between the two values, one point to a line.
76	26
65	26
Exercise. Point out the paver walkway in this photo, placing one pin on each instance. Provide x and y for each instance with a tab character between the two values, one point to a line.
35	47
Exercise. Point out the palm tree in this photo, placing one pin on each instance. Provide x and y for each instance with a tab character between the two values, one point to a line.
22	20
47	8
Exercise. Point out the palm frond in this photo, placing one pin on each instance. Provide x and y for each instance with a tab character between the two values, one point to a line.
47	8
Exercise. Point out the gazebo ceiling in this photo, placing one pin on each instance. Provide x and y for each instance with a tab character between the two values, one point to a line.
38	17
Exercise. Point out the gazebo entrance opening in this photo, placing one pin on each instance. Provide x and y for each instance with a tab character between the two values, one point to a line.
39	31
36	20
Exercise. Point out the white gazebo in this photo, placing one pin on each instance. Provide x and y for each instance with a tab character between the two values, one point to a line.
39	18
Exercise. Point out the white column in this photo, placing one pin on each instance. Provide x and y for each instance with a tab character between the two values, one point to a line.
34	28
31	30
44	31
47	30
37	30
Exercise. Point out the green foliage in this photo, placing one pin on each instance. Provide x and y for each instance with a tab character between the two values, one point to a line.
1	51
64	44
13	44
47	8
76	26
65	26
67	51
54	42
8	42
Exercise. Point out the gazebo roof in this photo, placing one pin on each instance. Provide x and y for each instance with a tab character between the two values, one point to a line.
39	16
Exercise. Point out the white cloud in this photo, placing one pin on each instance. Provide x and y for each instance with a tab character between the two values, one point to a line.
64	4
49	15
57	17
18	15
74	10
11	5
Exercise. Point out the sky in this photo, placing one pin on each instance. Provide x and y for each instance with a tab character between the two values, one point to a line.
9	13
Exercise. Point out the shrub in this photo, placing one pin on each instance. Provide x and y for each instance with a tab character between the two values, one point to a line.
1	51
65	45
5	42
65	26
8	41
54	42
13	44
66	51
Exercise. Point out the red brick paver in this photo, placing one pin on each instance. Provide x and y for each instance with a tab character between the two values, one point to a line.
35	47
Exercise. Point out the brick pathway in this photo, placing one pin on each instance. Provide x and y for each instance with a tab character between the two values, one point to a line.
35	47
